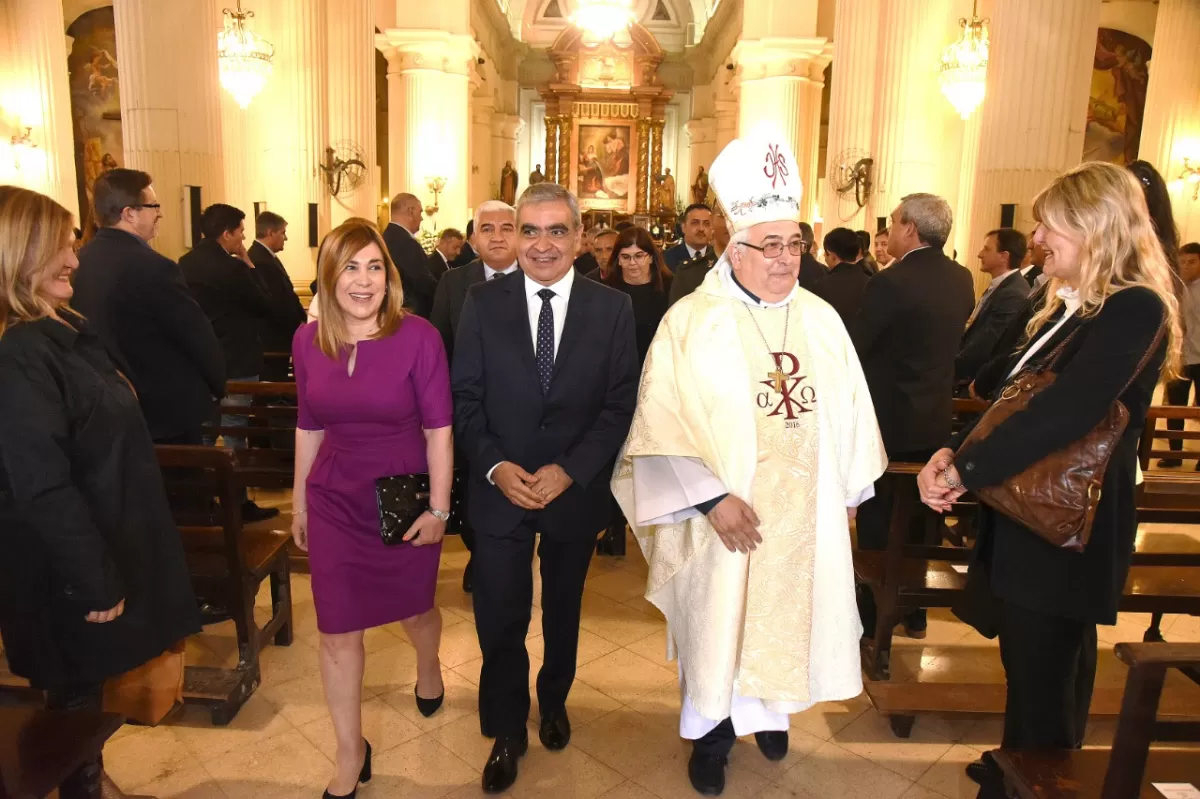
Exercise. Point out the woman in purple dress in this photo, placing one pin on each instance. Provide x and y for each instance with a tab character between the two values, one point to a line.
374	395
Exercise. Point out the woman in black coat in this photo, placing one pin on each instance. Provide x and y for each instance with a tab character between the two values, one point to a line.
1111	287
93	580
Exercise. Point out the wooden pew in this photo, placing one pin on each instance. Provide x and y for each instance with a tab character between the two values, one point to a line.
41	748
228	564
1129	768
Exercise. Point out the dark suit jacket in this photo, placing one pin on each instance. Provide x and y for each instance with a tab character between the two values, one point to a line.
1032	275
1092	369
843	288
287	311
465	257
449	299
234	301
996	370
679	254
137	301
811	272
907	334
413	263
437	265
982	339
586	263
689	275
500	413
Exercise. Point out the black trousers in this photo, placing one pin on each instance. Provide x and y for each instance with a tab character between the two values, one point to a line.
84	782
1177	392
503	598
1050	667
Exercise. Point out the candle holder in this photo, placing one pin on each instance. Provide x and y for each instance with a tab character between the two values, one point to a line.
435	185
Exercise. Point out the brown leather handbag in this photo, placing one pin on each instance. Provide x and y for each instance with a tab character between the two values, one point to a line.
1056	497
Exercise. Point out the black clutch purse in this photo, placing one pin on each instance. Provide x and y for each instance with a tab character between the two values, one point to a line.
402	499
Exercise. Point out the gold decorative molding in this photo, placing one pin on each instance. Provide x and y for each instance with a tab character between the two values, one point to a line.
643	182
595	110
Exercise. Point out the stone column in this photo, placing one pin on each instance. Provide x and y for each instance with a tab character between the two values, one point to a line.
505	130
37	95
781	83
564	151
1034	115
350	39
428	93
1171	124
702	133
851	106
726	124
642	187
485	171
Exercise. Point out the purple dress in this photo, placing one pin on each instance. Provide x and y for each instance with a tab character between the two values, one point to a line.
373	422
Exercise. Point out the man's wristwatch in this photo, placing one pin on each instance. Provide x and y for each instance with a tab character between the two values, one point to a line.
441	515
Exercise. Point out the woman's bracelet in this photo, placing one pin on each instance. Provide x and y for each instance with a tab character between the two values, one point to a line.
950	481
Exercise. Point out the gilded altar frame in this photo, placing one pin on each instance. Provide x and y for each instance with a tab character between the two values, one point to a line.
588	132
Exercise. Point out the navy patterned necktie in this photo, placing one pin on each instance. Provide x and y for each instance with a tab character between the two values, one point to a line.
545	340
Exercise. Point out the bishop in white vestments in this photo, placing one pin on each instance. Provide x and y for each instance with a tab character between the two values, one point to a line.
753	441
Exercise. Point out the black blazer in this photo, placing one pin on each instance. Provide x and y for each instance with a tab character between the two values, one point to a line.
995	371
287	311
689	275
139	304
981	341
811	272
500	413
1095	366
1032	275
907	333
679	254
449	299
234	300
437	265
84	515
413	263
843	288
586	263
465	257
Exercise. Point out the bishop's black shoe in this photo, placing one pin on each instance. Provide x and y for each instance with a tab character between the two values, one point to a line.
501	770
772	743
707	773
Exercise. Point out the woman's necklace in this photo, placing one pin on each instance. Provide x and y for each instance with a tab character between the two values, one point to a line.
778	376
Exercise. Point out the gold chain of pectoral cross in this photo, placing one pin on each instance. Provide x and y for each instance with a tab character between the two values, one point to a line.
778	376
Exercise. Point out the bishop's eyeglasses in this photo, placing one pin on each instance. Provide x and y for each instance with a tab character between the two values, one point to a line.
774	249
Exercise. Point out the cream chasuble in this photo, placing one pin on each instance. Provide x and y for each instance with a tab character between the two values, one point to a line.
728	404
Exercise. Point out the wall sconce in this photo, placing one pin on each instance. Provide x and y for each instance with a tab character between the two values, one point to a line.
435	185
22	144
1190	176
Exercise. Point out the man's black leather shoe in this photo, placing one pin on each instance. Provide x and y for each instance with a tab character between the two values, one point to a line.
772	743
501	770
707	773
984	771
555	731
468	575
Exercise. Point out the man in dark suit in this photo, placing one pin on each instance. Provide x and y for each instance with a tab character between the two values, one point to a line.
545	381
467	254
1002	252
270	237
1031	267
697	237
449	245
138	302
603	242
495	224
811	271
907	334
410	258
843	287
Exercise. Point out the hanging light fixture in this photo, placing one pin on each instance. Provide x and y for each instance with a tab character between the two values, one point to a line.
600	20
244	57
963	75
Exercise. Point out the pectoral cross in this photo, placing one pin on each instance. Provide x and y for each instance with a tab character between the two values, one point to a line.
777	378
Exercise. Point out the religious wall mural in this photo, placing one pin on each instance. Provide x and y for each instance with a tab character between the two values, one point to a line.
95	101
603	164
1120	74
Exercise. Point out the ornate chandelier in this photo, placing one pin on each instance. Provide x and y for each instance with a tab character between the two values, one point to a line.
244	57
600	20
963	74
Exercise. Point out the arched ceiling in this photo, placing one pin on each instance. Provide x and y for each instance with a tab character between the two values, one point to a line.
529	23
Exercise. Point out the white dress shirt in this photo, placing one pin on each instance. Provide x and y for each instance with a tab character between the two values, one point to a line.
1071	303
489	273
562	295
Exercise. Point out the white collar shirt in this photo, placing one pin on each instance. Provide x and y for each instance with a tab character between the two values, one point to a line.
489	273
558	304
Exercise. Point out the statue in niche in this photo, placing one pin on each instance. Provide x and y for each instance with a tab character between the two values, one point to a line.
665	195
536	176
508	183
700	187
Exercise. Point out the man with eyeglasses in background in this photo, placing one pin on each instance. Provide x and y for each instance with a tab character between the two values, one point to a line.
136	300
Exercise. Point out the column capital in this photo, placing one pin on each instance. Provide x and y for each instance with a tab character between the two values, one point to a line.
758	59
507	126
410	50
701	131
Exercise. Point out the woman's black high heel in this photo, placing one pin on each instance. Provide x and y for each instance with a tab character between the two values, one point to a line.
428	706
364	776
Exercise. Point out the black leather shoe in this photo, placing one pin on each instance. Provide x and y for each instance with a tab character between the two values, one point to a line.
468	574
916	625
501	770
984	771
364	776
772	743
555	731
253	513
1170	463
707	773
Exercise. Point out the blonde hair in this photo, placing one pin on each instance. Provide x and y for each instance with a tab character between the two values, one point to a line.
339	247
1102	206
33	230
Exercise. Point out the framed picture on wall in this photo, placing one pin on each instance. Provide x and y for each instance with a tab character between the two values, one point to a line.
602	219
643	221
604	164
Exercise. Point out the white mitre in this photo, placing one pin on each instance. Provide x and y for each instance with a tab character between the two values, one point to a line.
756	179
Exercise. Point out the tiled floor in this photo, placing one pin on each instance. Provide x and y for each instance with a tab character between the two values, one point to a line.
623	709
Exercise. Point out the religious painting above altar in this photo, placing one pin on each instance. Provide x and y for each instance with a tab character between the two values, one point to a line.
602	173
